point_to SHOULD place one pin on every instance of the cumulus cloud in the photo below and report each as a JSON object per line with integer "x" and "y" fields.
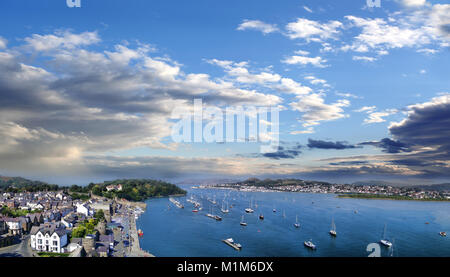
{"x": 315, "y": 110}
{"x": 311, "y": 30}
{"x": 413, "y": 3}
{"x": 84, "y": 101}
{"x": 257, "y": 25}
{"x": 304, "y": 60}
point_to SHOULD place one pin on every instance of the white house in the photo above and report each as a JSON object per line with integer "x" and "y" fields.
{"x": 14, "y": 226}
{"x": 48, "y": 238}
{"x": 84, "y": 209}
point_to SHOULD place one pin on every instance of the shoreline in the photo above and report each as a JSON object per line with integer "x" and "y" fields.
{"x": 370, "y": 197}
{"x": 135, "y": 246}
{"x": 337, "y": 194}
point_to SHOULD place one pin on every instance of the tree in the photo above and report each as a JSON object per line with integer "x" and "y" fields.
{"x": 99, "y": 215}
{"x": 79, "y": 232}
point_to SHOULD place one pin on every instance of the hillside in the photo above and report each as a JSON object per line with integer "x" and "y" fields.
{"x": 17, "y": 184}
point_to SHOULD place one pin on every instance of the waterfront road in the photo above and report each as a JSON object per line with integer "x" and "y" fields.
{"x": 22, "y": 249}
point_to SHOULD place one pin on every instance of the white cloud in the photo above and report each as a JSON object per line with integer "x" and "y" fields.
{"x": 364, "y": 58}
{"x": 312, "y": 30}
{"x": 3, "y": 43}
{"x": 301, "y": 52}
{"x": 369, "y": 109}
{"x": 316, "y": 81}
{"x": 257, "y": 25}
{"x": 316, "y": 61}
{"x": 315, "y": 109}
{"x": 66, "y": 40}
{"x": 414, "y": 3}
{"x": 307, "y": 9}
{"x": 374, "y": 116}
{"x": 423, "y": 71}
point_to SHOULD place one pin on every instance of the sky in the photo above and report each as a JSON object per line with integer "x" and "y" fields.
{"x": 91, "y": 93}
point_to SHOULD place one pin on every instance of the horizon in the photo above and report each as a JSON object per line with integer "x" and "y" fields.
{"x": 361, "y": 93}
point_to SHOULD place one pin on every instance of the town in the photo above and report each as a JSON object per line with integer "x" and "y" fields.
{"x": 53, "y": 224}
{"x": 344, "y": 190}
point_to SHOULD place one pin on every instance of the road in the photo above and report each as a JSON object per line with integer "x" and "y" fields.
{"x": 22, "y": 249}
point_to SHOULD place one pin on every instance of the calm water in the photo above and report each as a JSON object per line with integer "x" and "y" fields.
{"x": 169, "y": 231}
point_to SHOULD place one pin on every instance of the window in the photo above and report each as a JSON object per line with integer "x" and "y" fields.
{"x": 55, "y": 243}
{"x": 39, "y": 241}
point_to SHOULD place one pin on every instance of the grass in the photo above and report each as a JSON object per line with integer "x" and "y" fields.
{"x": 51, "y": 254}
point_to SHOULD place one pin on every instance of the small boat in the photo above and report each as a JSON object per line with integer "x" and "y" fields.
{"x": 296, "y": 224}
{"x": 443, "y": 234}
{"x": 333, "y": 232}
{"x": 261, "y": 216}
{"x": 385, "y": 241}
{"x": 243, "y": 223}
{"x": 274, "y": 210}
{"x": 310, "y": 245}
{"x": 249, "y": 209}
{"x": 230, "y": 242}
{"x": 140, "y": 233}
{"x": 225, "y": 211}
{"x": 195, "y": 211}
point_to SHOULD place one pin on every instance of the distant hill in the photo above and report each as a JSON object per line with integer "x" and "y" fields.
{"x": 21, "y": 184}
{"x": 377, "y": 183}
{"x": 437, "y": 187}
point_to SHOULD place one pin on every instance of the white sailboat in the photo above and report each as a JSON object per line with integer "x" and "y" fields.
{"x": 250, "y": 210}
{"x": 243, "y": 223}
{"x": 225, "y": 211}
{"x": 296, "y": 224}
{"x": 333, "y": 228}
{"x": 384, "y": 241}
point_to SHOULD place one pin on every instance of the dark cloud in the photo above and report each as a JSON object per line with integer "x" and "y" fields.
{"x": 284, "y": 153}
{"x": 321, "y": 144}
{"x": 389, "y": 146}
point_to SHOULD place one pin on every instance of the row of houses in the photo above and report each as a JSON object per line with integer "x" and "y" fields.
{"x": 50, "y": 229}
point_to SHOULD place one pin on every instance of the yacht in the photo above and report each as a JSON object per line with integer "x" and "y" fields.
{"x": 384, "y": 241}
{"x": 261, "y": 216}
{"x": 296, "y": 224}
{"x": 243, "y": 223}
{"x": 443, "y": 234}
{"x": 249, "y": 209}
{"x": 310, "y": 245}
{"x": 230, "y": 242}
{"x": 225, "y": 211}
{"x": 333, "y": 229}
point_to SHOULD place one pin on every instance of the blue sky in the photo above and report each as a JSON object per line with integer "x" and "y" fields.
{"x": 88, "y": 92}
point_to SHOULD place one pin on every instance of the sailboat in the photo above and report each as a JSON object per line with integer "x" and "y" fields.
{"x": 249, "y": 210}
{"x": 296, "y": 224}
{"x": 225, "y": 211}
{"x": 333, "y": 228}
{"x": 243, "y": 223}
{"x": 310, "y": 245}
{"x": 385, "y": 241}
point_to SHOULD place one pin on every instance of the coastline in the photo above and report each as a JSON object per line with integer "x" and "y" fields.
{"x": 337, "y": 194}
{"x": 374, "y": 197}
{"x": 136, "y": 249}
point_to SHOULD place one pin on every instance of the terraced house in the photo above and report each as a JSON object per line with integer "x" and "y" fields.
{"x": 48, "y": 238}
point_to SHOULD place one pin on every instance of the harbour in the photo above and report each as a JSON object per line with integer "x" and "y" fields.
{"x": 180, "y": 232}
